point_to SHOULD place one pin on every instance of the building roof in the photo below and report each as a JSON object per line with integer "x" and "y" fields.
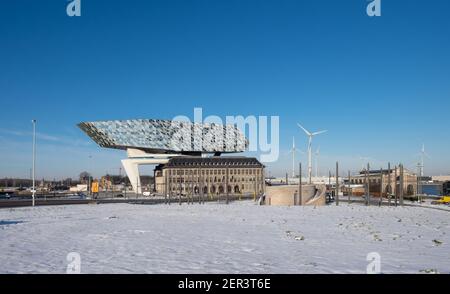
{"x": 377, "y": 172}
{"x": 166, "y": 136}
{"x": 214, "y": 161}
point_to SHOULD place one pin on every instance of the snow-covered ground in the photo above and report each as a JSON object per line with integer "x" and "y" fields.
{"x": 217, "y": 238}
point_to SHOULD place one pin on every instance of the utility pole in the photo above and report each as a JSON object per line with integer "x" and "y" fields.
{"x": 300, "y": 184}
{"x": 367, "y": 185}
{"x": 395, "y": 185}
{"x": 170, "y": 184}
{"x": 329, "y": 182}
{"x": 389, "y": 189}
{"x": 349, "y": 188}
{"x": 337, "y": 183}
{"x": 417, "y": 190}
{"x": 226, "y": 187}
{"x": 402, "y": 179}
{"x": 381, "y": 186}
{"x": 89, "y": 176}
{"x": 34, "y": 163}
{"x": 166, "y": 190}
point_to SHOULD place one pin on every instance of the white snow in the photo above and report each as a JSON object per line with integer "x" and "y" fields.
{"x": 216, "y": 238}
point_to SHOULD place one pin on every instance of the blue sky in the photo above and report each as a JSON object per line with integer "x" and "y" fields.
{"x": 379, "y": 85}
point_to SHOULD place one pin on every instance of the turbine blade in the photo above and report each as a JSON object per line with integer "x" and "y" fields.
{"x": 318, "y": 133}
{"x": 308, "y": 133}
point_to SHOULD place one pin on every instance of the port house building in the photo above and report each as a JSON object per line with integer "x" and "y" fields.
{"x": 209, "y": 176}
{"x": 188, "y": 156}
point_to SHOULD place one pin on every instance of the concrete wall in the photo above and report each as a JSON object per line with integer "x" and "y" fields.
{"x": 320, "y": 197}
{"x": 281, "y": 195}
{"x": 285, "y": 195}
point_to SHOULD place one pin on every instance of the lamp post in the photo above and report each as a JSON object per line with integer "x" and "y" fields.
{"x": 34, "y": 163}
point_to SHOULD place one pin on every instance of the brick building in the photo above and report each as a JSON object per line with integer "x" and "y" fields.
{"x": 194, "y": 175}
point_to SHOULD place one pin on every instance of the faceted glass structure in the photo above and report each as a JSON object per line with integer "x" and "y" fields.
{"x": 166, "y": 136}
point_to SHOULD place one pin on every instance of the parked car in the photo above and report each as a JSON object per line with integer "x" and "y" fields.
{"x": 5, "y": 196}
{"x": 77, "y": 196}
{"x": 82, "y": 195}
{"x": 442, "y": 200}
{"x": 329, "y": 197}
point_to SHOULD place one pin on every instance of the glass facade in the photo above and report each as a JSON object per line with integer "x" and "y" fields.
{"x": 165, "y": 136}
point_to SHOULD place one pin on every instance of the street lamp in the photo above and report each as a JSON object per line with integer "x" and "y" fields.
{"x": 34, "y": 162}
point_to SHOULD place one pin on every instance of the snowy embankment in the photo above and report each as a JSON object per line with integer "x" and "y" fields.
{"x": 217, "y": 238}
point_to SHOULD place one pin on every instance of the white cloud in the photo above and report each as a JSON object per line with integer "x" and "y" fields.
{"x": 47, "y": 137}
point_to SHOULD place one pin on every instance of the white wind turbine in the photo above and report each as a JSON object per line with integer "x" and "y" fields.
{"x": 317, "y": 154}
{"x": 310, "y": 136}
{"x": 293, "y": 151}
{"x": 422, "y": 154}
{"x": 364, "y": 162}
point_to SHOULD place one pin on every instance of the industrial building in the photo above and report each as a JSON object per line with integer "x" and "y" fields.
{"x": 385, "y": 180}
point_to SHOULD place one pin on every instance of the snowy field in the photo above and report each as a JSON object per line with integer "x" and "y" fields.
{"x": 215, "y": 238}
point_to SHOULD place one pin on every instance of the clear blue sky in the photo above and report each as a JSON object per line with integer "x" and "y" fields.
{"x": 381, "y": 86}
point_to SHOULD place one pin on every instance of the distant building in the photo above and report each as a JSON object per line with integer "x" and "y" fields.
{"x": 441, "y": 178}
{"x": 195, "y": 175}
{"x": 374, "y": 178}
{"x": 446, "y": 188}
{"x": 106, "y": 183}
{"x": 431, "y": 188}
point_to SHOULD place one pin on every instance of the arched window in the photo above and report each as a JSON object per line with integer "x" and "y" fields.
{"x": 410, "y": 190}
